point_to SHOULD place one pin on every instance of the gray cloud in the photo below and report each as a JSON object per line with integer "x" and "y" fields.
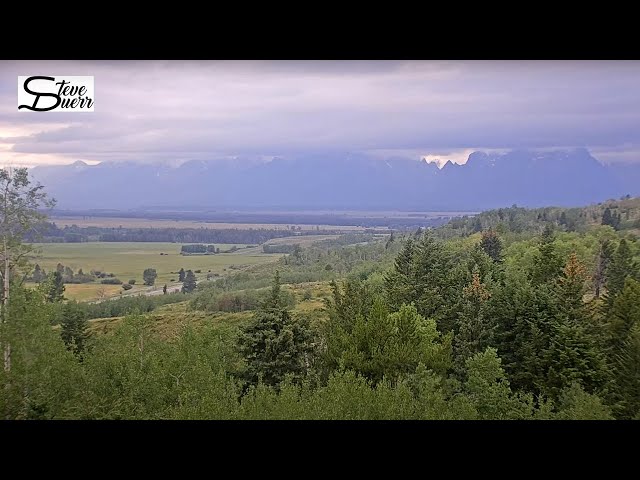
{"x": 202, "y": 109}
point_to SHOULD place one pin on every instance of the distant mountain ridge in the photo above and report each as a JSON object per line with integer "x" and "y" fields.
{"x": 346, "y": 181}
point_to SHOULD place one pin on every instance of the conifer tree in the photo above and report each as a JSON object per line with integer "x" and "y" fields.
{"x": 54, "y": 287}
{"x": 274, "y": 345}
{"x": 181, "y": 275}
{"x": 74, "y": 327}
{"x": 189, "y": 284}
{"x": 492, "y": 245}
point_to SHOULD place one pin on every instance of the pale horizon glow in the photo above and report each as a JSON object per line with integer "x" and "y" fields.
{"x": 174, "y": 111}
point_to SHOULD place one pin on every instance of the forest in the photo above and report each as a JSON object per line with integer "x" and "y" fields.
{"x": 507, "y": 315}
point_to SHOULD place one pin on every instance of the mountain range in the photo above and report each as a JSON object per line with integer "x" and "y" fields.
{"x": 345, "y": 181}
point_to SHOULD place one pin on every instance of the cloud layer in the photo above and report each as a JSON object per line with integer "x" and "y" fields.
{"x": 182, "y": 110}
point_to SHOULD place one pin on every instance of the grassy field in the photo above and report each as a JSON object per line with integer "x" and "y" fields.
{"x": 115, "y": 222}
{"x": 127, "y": 260}
{"x": 169, "y": 319}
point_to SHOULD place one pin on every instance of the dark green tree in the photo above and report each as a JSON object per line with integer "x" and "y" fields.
{"x": 607, "y": 218}
{"x": 149, "y": 276}
{"x": 54, "y": 287}
{"x": 38, "y": 274}
{"x": 181, "y": 275}
{"x": 475, "y": 327}
{"x": 624, "y": 314}
{"x": 621, "y": 267}
{"x": 274, "y": 345}
{"x": 548, "y": 264}
{"x": 575, "y": 354}
{"x": 628, "y": 376}
{"x": 189, "y": 284}
{"x": 602, "y": 262}
{"x": 74, "y": 327}
{"x": 492, "y": 245}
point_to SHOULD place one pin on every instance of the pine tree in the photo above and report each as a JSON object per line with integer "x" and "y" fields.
{"x": 38, "y": 275}
{"x": 74, "y": 327}
{"x": 492, "y": 245}
{"x": 189, "y": 284}
{"x": 607, "y": 218}
{"x": 563, "y": 219}
{"x": 475, "y": 328}
{"x": 68, "y": 274}
{"x": 548, "y": 265}
{"x": 603, "y": 260}
{"x": 54, "y": 287}
{"x": 273, "y": 344}
{"x": 575, "y": 354}
{"x": 181, "y": 275}
{"x": 621, "y": 267}
{"x": 624, "y": 314}
{"x": 628, "y": 376}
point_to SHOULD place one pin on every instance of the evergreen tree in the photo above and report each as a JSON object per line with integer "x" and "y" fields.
{"x": 563, "y": 219}
{"x": 390, "y": 241}
{"x": 54, "y": 287}
{"x": 548, "y": 265}
{"x": 608, "y": 218}
{"x": 621, "y": 267}
{"x": 189, "y": 284}
{"x": 68, "y": 274}
{"x": 38, "y": 274}
{"x": 181, "y": 275}
{"x": 628, "y": 375}
{"x": 475, "y": 328}
{"x": 492, "y": 245}
{"x": 149, "y": 276}
{"x": 60, "y": 269}
{"x": 575, "y": 354}
{"x": 74, "y": 327}
{"x": 164, "y": 289}
{"x": 624, "y": 314}
{"x": 603, "y": 260}
{"x": 274, "y": 345}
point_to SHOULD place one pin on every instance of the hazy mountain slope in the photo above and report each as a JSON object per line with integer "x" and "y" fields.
{"x": 347, "y": 181}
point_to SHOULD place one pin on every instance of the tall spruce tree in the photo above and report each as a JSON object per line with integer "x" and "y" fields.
{"x": 602, "y": 262}
{"x": 181, "y": 275}
{"x": 274, "y": 345}
{"x": 54, "y": 287}
{"x": 575, "y": 353}
{"x": 189, "y": 284}
{"x": 74, "y": 327}
{"x": 548, "y": 263}
{"x": 492, "y": 245}
{"x": 475, "y": 327}
{"x": 621, "y": 267}
{"x": 628, "y": 376}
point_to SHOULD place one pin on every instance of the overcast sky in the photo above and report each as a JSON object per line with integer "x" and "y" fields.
{"x": 182, "y": 110}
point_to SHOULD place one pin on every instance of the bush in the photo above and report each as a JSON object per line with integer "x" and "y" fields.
{"x": 111, "y": 281}
{"x": 307, "y": 295}
{"x": 127, "y": 286}
{"x": 197, "y": 271}
{"x": 131, "y": 282}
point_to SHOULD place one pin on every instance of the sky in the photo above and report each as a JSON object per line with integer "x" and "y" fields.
{"x": 174, "y": 111}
